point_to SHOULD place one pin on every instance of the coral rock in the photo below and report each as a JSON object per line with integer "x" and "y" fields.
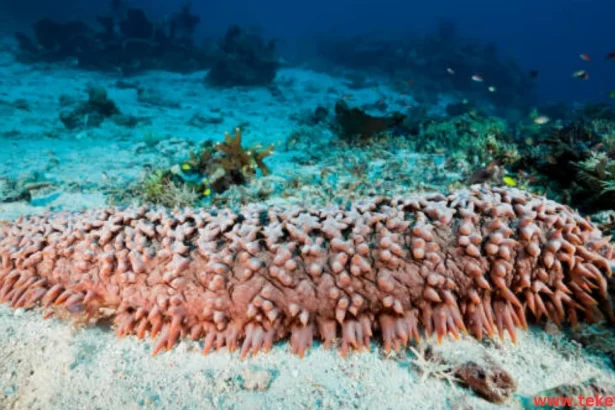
{"x": 488, "y": 380}
{"x": 479, "y": 260}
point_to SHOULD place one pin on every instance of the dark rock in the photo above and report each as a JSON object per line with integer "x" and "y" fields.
{"x": 91, "y": 113}
{"x": 357, "y": 126}
{"x": 487, "y": 379}
{"x": 244, "y": 59}
{"x": 320, "y": 114}
{"x": 99, "y": 102}
{"x": 136, "y": 25}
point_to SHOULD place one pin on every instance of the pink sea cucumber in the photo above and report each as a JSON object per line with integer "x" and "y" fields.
{"x": 480, "y": 260}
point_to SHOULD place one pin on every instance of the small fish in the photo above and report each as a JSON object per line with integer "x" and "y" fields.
{"x": 582, "y": 74}
{"x": 611, "y": 94}
{"x": 477, "y": 78}
{"x": 410, "y": 83}
{"x": 541, "y": 120}
{"x": 527, "y": 177}
{"x": 611, "y": 56}
{"x": 450, "y": 71}
{"x": 186, "y": 167}
{"x": 533, "y": 73}
{"x": 207, "y": 192}
{"x": 347, "y": 96}
{"x": 491, "y": 89}
{"x": 584, "y": 57}
{"x": 510, "y": 181}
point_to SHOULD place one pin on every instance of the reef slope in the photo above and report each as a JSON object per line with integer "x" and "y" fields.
{"x": 480, "y": 260}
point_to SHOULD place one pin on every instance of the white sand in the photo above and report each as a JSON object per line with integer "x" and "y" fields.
{"x": 48, "y": 364}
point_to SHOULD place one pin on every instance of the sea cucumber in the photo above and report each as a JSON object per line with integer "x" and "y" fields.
{"x": 478, "y": 260}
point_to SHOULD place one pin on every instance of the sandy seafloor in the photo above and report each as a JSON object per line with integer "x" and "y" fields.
{"x": 48, "y": 364}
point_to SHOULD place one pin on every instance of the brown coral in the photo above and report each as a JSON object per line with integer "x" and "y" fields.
{"x": 227, "y": 163}
{"x": 479, "y": 259}
{"x": 356, "y": 126}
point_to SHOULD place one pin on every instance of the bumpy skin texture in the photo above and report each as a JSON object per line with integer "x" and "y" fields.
{"x": 480, "y": 260}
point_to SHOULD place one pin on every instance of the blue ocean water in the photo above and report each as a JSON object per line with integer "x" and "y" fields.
{"x": 542, "y": 35}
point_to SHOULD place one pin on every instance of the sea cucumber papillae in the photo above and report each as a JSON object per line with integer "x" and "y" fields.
{"x": 481, "y": 260}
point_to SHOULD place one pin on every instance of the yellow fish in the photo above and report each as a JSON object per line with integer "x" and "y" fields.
{"x": 510, "y": 181}
{"x": 207, "y": 192}
{"x": 186, "y": 167}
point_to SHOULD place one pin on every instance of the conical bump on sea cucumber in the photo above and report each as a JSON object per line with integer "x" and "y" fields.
{"x": 481, "y": 260}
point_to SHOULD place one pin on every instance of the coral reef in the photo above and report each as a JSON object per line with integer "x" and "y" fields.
{"x": 214, "y": 168}
{"x": 128, "y": 42}
{"x": 425, "y": 60}
{"x": 243, "y": 59}
{"x": 483, "y": 260}
{"x": 574, "y": 162}
{"x": 471, "y": 139}
{"x": 223, "y": 164}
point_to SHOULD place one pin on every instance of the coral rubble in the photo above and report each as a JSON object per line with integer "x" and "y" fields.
{"x": 482, "y": 259}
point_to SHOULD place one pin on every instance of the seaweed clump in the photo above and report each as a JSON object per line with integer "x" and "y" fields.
{"x": 213, "y": 169}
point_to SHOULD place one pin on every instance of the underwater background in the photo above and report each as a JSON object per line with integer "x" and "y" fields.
{"x": 279, "y": 103}
{"x": 542, "y": 35}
